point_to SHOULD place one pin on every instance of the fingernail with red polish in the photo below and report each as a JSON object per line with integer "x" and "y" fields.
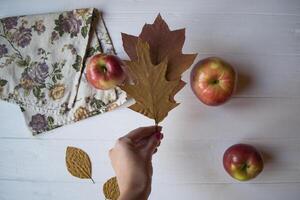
{"x": 158, "y": 135}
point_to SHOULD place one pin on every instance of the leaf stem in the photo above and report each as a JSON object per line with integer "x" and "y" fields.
{"x": 92, "y": 180}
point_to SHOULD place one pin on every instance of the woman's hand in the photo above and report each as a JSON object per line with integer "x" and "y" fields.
{"x": 131, "y": 159}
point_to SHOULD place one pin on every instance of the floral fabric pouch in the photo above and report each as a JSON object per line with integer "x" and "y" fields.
{"x": 42, "y": 61}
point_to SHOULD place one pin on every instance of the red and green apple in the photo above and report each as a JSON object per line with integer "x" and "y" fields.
{"x": 213, "y": 81}
{"x": 243, "y": 162}
{"x": 105, "y": 71}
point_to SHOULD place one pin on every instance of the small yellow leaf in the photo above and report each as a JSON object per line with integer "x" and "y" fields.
{"x": 78, "y": 163}
{"x": 150, "y": 90}
{"x": 111, "y": 189}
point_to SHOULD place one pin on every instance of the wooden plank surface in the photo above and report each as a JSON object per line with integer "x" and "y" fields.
{"x": 261, "y": 38}
{"x": 79, "y": 191}
{"x": 245, "y": 118}
{"x": 178, "y": 161}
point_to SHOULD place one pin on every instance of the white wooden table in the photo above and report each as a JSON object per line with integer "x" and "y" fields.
{"x": 261, "y": 38}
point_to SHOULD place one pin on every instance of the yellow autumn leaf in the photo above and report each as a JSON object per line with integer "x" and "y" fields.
{"x": 78, "y": 163}
{"x": 111, "y": 189}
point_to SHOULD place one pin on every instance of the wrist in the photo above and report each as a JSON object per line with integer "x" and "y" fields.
{"x": 129, "y": 196}
{"x": 137, "y": 193}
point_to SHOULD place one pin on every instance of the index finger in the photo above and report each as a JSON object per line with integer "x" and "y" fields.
{"x": 143, "y": 132}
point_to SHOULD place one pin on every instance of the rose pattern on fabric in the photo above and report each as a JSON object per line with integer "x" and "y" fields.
{"x": 37, "y": 79}
{"x": 57, "y": 91}
{"x": 38, "y": 122}
{"x": 10, "y": 22}
{"x": 22, "y": 36}
{"x": 81, "y": 12}
{"x": 26, "y": 82}
{"x": 3, "y": 50}
{"x": 68, "y": 24}
{"x": 39, "y": 73}
{"x": 71, "y": 25}
{"x": 81, "y": 113}
{"x": 39, "y": 27}
{"x": 42, "y": 73}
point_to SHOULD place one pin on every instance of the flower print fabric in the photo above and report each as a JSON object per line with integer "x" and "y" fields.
{"x": 3, "y": 50}
{"x": 42, "y": 67}
{"x": 38, "y": 122}
{"x": 68, "y": 23}
{"x": 10, "y": 22}
{"x": 22, "y": 36}
{"x": 39, "y": 27}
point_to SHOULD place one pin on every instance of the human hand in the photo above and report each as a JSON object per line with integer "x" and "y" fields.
{"x": 131, "y": 159}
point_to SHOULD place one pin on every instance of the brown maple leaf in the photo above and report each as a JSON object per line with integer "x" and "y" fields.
{"x": 150, "y": 90}
{"x": 163, "y": 43}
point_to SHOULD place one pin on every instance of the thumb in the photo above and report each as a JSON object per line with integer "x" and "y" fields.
{"x": 152, "y": 143}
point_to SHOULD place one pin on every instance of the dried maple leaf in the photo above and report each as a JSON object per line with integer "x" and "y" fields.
{"x": 150, "y": 90}
{"x": 163, "y": 43}
{"x": 78, "y": 163}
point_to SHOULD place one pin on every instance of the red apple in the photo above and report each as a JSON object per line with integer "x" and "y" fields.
{"x": 105, "y": 71}
{"x": 213, "y": 81}
{"x": 243, "y": 162}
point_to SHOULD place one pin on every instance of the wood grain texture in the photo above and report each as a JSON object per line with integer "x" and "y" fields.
{"x": 246, "y": 118}
{"x": 11, "y": 190}
{"x": 178, "y": 161}
{"x": 260, "y": 38}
